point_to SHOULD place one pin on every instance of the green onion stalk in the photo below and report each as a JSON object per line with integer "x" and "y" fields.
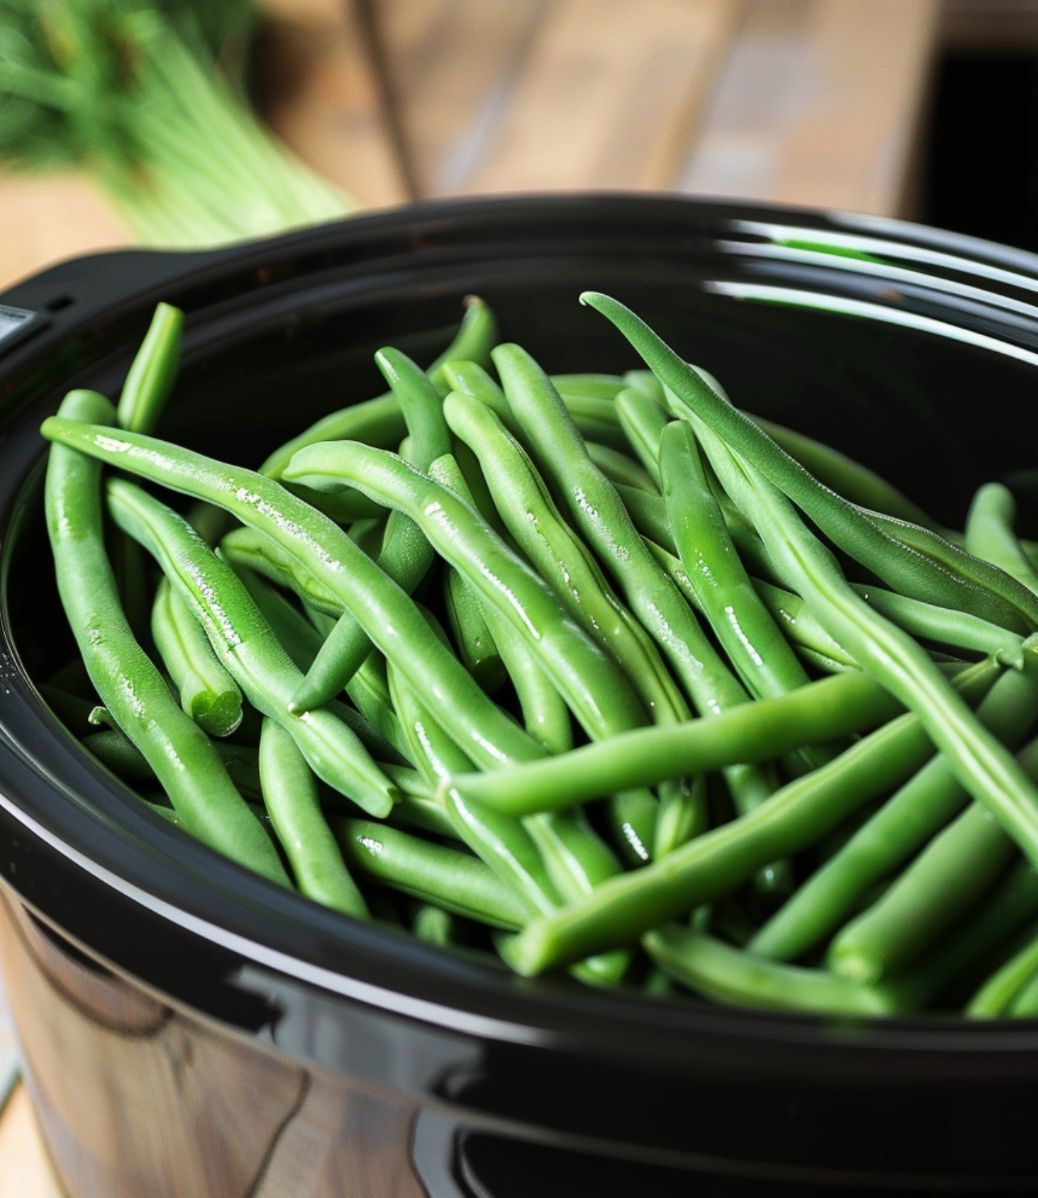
{"x": 148, "y": 99}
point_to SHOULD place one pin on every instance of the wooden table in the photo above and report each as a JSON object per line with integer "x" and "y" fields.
{"x": 816, "y": 102}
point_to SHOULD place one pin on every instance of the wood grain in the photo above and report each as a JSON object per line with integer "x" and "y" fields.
{"x": 48, "y": 218}
{"x": 820, "y": 103}
{"x": 322, "y": 98}
{"x": 608, "y": 94}
{"x": 25, "y": 1170}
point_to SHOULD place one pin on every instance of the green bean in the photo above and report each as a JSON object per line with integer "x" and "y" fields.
{"x": 716, "y": 863}
{"x": 904, "y": 823}
{"x": 947, "y": 558}
{"x": 980, "y": 762}
{"x": 788, "y": 611}
{"x": 245, "y": 645}
{"x": 425, "y": 870}
{"x": 469, "y": 378}
{"x": 598, "y": 512}
{"x": 643, "y": 419}
{"x": 387, "y": 614}
{"x": 592, "y": 414}
{"x": 208, "y": 694}
{"x": 290, "y": 796}
{"x": 619, "y": 467}
{"x": 758, "y": 650}
{"x": 957, "y": 629}
{"x": 646, "y": 382}
{"x": 264, "y": 556}
{"x": 828, "y": 709}
{"x": 435, "y": 926}
{"x": 124, "y": 677}
{"x": 844, "y": 475}
{"x": 380, "y": 421}
{"x": 1025, "y": 1003}
{"x": 557, "y": 553}
{"x": 920, "y": 904}
{"x": 715, "y": 969}
{"x": 153, "y": 372}
{"x": 989, "y": 534}
{"x": 421, "y": 814}
{"x": 477, "y": 645}
{"x": 590, "y": 681}
{"x": 997, "y": 993}
{"x": 875, "y": 542}
{"x": 294, "y": 631}
{"x": 602, "y": 387}
{"x": 115, "y": 750}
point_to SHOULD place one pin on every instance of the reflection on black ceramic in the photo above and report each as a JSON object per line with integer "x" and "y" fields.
{"x": 189, "y": 1030}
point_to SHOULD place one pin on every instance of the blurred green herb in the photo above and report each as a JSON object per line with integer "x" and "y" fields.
{"x": 146, "y": 97}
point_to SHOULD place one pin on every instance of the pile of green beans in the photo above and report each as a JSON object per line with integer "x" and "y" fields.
{"x": 589, "y": 672}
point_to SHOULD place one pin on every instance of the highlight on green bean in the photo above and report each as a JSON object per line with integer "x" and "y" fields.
{"x": 590, "y": 671}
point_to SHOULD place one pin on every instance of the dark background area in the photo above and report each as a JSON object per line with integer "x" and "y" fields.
{"x": 981, "y": 162}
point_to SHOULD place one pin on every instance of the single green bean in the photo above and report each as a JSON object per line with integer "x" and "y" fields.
{"x": 989, "y": 533}
{"x": 1025, "y": 1002}
{"x": 435, "y": 926}
{"x": 208, "y": 694}
{"x": 957, "y": 629}
{"x": 815, "y": 713}
{"x": 124, "y": 677}
{"x": 425, "y": 870}
{"x": 643, "y": 419}
{"x": 291, "y": 798}
{"x": 715, "y": 969}
{"x": 153, "y": 371}
{"x": 618, "y": 466}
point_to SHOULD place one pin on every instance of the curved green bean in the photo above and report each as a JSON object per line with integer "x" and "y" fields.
{"x": 208, "y": 694}
{"x": 989, "y": 534}
{"x": 291, "y": 799}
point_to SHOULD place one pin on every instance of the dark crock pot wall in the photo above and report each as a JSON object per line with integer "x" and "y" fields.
{"x": 598, "y": 1046}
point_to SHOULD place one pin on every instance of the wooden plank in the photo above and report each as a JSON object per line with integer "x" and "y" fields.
{"x": 25, "y": 1170}
{"x": 323, "y": 98}
{"x": 820, "y": 103}
{"x": 451, "y": 64}
{"x": 47, "y": 218}
{"x": 603, "y": 93}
